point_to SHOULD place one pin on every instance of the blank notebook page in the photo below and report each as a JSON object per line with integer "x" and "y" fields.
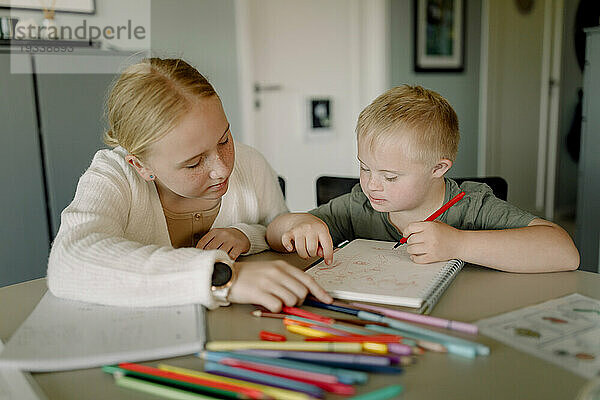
{"x": 63, "y": 334}
{"x": 373, "y": 271}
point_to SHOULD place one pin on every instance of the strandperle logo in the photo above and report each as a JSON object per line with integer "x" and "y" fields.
{"x": 84, "y": 31}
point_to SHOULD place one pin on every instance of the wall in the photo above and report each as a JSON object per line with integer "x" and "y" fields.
{"x": 460, "y": 89}
{"x": 571, "y": 82}
{"x": 201, "y": 31}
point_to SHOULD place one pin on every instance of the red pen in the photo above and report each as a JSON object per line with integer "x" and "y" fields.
{"x": 436, "y": 214}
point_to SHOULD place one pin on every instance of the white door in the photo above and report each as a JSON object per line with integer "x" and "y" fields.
{"x": 292, "y": 52}
{"x": 523, "y": 66}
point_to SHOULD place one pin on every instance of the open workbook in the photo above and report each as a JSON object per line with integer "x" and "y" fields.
{"x": 63, "y": 334}
{"x": 373, "y": 271}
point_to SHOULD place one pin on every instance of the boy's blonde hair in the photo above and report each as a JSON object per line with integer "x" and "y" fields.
{"x": 421, "y": 115}
{"x": 148, "y": 100}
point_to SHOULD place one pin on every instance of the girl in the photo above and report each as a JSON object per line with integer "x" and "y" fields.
{"x": 160, "y": 219}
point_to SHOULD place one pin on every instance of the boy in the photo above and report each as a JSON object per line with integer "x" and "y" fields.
{"x": 407, "y": 141}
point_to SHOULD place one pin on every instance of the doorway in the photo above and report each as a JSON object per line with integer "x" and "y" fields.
{"x": 307, "y": 68}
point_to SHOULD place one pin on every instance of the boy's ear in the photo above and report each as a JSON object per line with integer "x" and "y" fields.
{"x": 441, "y": 167}
{"x": 146, "y": 173}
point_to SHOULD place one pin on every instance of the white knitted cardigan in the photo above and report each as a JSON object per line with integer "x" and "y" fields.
{"x": 113, "y": 245}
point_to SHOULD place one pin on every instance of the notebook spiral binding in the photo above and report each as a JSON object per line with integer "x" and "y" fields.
{"x": 442, "y": 280}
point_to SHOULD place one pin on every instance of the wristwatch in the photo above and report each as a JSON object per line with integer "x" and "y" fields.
{"x": 223, "y": 277}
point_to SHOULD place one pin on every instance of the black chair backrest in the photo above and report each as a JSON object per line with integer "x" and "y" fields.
{"x": 281, "y": 185}
{"x": 329, "y": 187}
{"x": 498, "y": 185}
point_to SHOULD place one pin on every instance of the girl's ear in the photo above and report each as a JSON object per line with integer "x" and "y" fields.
{"x": 441, "y": 167}
{"x": 146, "y": 173}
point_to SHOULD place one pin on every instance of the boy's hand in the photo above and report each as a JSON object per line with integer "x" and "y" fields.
{"x": 309, "y": 237}
{"x": 431, "y": 241}
{"x": 273, "y": 284}
{"x": 230, "y": 240}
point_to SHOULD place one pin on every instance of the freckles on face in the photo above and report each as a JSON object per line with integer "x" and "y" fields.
{"x": 196, "y": 158}
{"x": 390, "y": 179}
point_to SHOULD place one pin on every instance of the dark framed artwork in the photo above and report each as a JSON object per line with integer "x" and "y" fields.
{"x": 63, "y": 6}
{"x": 439, "y": 35}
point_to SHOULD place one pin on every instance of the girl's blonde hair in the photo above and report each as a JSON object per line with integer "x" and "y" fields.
{"x": 148, "y": 100}
{"x": 424, "y": 117}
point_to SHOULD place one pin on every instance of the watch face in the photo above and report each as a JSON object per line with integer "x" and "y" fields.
{"x": 221, "y": 274}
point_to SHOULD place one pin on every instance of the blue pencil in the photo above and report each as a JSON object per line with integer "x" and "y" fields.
{"x": 382, "y": 369}
{"x": 332, "y": 307}
{"x": 344, "y": 376}
{"x": 264, "y": 379}
{"x": 313, "y": 356}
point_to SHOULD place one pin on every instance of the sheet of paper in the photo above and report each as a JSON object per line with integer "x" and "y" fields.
{"x": 563, "y": 331}
{"x": 63, "y": 334}
{"x": 17, "y": 385}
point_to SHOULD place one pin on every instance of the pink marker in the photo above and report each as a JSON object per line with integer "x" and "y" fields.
{"x": 421, "y": 319}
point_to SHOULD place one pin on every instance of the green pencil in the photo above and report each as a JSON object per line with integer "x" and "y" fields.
{"x": 388, "y": 392}
{"x": 156, "y": 389}
{"x": 176, "y": 384}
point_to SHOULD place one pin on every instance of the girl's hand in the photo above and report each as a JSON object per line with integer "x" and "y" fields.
{"x": 230, "y": 240}
{"x": 309, "y": 237}
{"x": 273, "y": 284}
{"x": 432, "y": 241}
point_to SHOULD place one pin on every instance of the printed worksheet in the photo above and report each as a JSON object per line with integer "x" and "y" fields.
{"x": 563, "y": 331}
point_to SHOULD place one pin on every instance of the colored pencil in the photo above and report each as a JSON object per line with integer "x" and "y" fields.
{"x": 359, "y": 339}
{"x": 350, "y": 329}
{"x": 301, "y": 346}
{"x": 271, "y": 336}
{"x": 157, "y": 389}
{"x": 332, "y": 307}
{"x": 342, "y": 375}
{"x": 306, "y": 331}
{"x": 262, "y": 366}
{"x": 460, "y": 349}
{"x": 421, "y": 319}
{"x": 317, "y": 357}
{"x": 264, "y": 379}
{"x": 272, "y": 391}
{"x": 388, "y": 392}
{"x": 436, "y": 214}
{"x": 261, "y": 313}
{"x": 184, "y": 382}
{"x": 359, "y": 322}
{"x": 307, "y": 314}
{"x": 296, "y": 375}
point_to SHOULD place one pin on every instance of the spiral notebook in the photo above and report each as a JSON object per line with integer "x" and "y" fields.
{"x": 373, "y": 271}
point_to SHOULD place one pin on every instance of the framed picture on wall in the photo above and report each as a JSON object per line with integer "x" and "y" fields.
{"x": 67, "y": 6}
{"x": 439, "y": 35}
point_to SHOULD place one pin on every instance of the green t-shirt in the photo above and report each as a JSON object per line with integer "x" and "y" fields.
{"x": 351, "y": 215}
